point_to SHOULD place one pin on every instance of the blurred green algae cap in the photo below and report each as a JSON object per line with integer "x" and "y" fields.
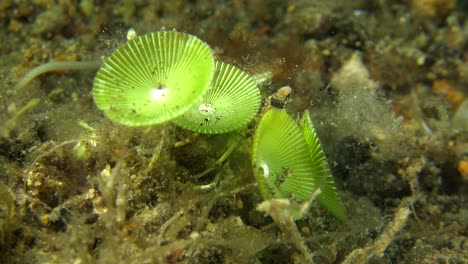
{"x": 153, "y": 78}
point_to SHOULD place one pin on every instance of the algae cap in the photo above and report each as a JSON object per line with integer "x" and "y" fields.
{"x": 232, "y": 101}
{"x": 289, "y": 161}
{"x": 281, "y": 158}
{"x": 153, "y": 78}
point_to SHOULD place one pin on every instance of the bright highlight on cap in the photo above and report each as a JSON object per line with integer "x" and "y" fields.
{"x": 159, "y": 94}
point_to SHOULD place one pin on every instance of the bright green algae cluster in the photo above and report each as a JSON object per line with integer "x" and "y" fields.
{"x": 172, "y": 76}
{"x": 167, "y": 75}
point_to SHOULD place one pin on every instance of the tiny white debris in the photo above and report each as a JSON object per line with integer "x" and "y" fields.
{"x": 206, "y": 109}
{"x": 131, "y": 34}
{"x": 195, "y": 235}
{"x": 266, "y": 170}
{"x": 263, "y": 78}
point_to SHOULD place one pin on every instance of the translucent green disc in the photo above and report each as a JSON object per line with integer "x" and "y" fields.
{"x": 281, "y": 158}
{"x": 153, "y": 78}
{"x": 289, "y": 162}
{"x": 229, "y": 104}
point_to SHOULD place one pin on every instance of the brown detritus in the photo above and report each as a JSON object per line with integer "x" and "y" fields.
{"x": 308, "y": 19}
{"x": 433, "y": 8}
{"x": 463, "y": 169}
{"x": 246, "y": 45}
{"x": 363, "y": 255}
{"x": 51, "y": 21}
{"x": 389, "y": 62}
{"x": 445, "y": 89}
{"x": 188, "y": 156}
{"x": 15, "y": 26}
{"x": 411, "y": 173}
{"x": 289, "y": 53}
{"x": 7, "y": 217}
{"x": 279, "y": 210}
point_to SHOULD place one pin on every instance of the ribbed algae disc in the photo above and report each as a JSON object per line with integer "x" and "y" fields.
{"x": 153, "y": 78}
{"x": 281, "y": 158}
{"x": 229, "y": 104}
{"x": 328, "y": 198}
{"x": 289, "y": 161}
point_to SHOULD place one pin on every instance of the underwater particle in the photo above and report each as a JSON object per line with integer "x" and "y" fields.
{"x": 434, "y": 8}
{"x": 280, "y": 98}
{"x": 328, "y": 198}
{"x": 460, "y": 118}
{"x": 51, "y": 21}
{"x": 289, "y": 162}
{"x": 153, "y": 78}
{"x": 230, "y": 103}
{"x": 463, "y": 168}
{"x": 131, "y": 34}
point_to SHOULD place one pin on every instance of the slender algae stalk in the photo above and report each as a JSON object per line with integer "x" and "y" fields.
{"x": 56, "y": 66}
